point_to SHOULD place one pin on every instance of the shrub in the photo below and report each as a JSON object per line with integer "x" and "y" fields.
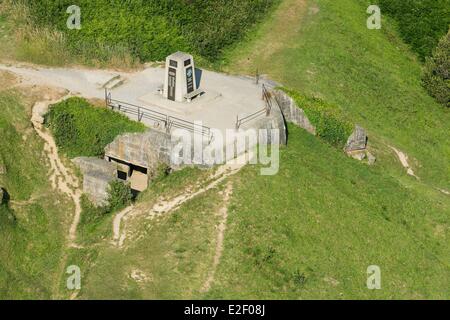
{"x": 421, "y": 22}
{"x": 330, "y": 122}
{"x": 152, "y": 29}
{"x": 119, "y": 195}
{"x": 436, "y": 74}
{"x": 81, "y": 129}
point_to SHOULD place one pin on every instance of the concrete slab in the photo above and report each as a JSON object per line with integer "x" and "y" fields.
{"x": 200, "y": 103}
{"x": 225, "y": 96}
{"x": 139, "y": 181}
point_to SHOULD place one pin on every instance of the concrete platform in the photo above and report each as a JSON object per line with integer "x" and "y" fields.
{"x": 226, "y": 97}
{"x": 200, "y": 103}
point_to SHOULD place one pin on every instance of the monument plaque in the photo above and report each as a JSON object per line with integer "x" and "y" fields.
{"x": 180, "y": 82}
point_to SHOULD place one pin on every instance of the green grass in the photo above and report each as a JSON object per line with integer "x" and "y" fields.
{"x": 330, "y": 121}
{"x": 371, "y": 74}
{"x": 312, "y": 230}
{"x": 173, "y": 251}
{"x": 32, "y": 245}
{"x": 80, "y": 129}
{"x": 325, "y": 218}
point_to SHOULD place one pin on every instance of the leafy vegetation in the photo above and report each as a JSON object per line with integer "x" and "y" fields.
{"x": 80, "y": 129}
{"x": 150, "y": 30}
{"x": 436, "y": 75}
{"x": 421, "y": 22}
{"x": 32, "y": 222}
{"x": 329, "y": 120}
{"x": 119, "y": 195}
{"x": 95, "y": 220}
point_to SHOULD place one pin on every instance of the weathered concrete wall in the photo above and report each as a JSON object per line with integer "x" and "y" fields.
{"x": 357, "y": 140}
{"x": 97, "y": 175}
{"x": 150, "y": 149}
{"x": 292, "y": 112}
{"x": 356, "y": 145}
{"x": 146, "y": 150}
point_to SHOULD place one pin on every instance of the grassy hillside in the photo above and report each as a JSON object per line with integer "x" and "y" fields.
{"x": 421, "y": 22}
{"x": 309, "y": 232}
{"x": 312, "y": 230}
{"x": 32, "y": 244}
{"x": 370, "y": 73}
{"x": 149, "y": 30}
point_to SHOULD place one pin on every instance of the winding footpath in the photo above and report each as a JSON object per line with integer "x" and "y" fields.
{"x": 220, "y": 238}
{"x": 168, "y": 206}
{"x": 61, "y": 177}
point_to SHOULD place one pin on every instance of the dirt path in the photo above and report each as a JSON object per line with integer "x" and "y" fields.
{"x": 167, "y": 206}
{"x": 404, "y": 161}
{"x": 403, "y": 157}
{"x": 277, "y": 34}
{"x": 61, "y": 177}
{"x": 220, "y": 237}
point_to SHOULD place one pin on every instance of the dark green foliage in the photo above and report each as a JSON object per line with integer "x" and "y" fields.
{"x": 81, "y": 129}
{"x": 436, "y": 74}
{"x": 152, "y": 29}
{"x": 94, "y": 223}
{"x": 330, "y": 122}
{"x": 421, "y": 22}
{"x": 119, "y": 195}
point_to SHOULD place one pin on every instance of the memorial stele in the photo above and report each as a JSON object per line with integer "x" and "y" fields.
{"x": 180, "y": 82}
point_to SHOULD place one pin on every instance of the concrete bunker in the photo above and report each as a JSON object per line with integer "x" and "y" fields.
{"x": 136, "y": 175}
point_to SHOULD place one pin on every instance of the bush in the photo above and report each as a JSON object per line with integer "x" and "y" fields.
{"x": 81, "y": 129}
{"x": 421, "y": 22}
{"x": 152, "y": 29}
{"x": 330, "y": 122}
{"x": 92, "y": 216}
{"x": 436, "y": 74}
{"x": 119, "y": 195}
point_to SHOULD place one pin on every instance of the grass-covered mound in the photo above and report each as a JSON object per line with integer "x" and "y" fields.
{"x": 80, "y": 129}
{"x": 150, "y": 30}
{"x": 329, "y": 120}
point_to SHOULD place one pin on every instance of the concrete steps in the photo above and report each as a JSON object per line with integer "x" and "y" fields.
{"x": 114, "y": 83}
{"x": 109, "y": 81}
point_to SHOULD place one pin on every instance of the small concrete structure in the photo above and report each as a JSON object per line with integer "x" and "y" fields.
{"x": 97, "y": 175}
{"x": 180, "y": 83}
{"x": 357, "y": 141}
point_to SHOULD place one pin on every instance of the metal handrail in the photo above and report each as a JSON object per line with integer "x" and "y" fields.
{"x": 266, "y": 110}
{"x": 169, "y": 122}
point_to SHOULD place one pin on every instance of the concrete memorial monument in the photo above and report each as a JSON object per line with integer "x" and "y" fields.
{"x": 180, "y": 79}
